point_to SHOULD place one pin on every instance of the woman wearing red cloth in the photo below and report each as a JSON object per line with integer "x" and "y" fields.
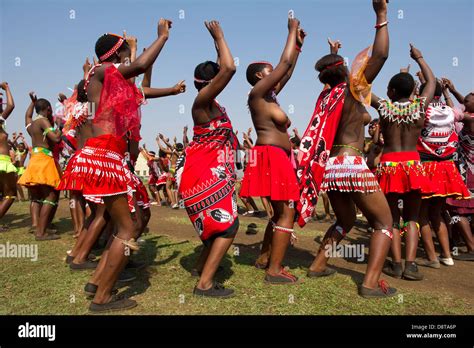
{"x": 400, "y": 172}
{"x": 331, "y": 158}
{"x": 270, "y": 172}
{"x": 101, "y": 167}
{"x": 206, "y": 175}
{"x": 437, "y": 146}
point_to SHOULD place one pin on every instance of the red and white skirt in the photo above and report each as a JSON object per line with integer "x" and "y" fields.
{"x": 99, "y": 170}
{"x": 348, "y": 174}
{"x": 269, "y": 173}
{"x": 445, "y": 180}
{"x": 402, "y": 172}
{"x": 141, "y": 194}
{"x": 152, "y": 180}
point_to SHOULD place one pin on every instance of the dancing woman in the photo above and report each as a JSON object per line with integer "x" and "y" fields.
{"x": 270, "y": 172}
{"x": 7, "y": 169}
{"x": 331, "y": 158}
{"x": 206, "y": 174}
{"x": 400, "y": 172}
{"x": 101, "y": 169}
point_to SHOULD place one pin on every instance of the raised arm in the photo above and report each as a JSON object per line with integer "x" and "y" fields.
{"x": 178, "y": 88}
{"x": 226, "y": 69}
{"x": 447, "y": 97}
{"x": 301, "y": 34}
{"x": 29, "y": 111}
{"x": 430, "y": 86}
{"x": 162, "y": 148}
{"x": 381, "y": 43}
{"x": 10, "y": 102}
{"x": 287, "y": 58}
{"x": 185, "y": 136}
{"x": 449, "y": 84}
{"x": 147, "y": 58}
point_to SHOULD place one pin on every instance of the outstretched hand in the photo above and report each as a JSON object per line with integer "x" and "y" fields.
{"x": 293, "y": 23}
{"x": 334, "y": 46}
{"x": 33, "y": 97}
{"x": 405, "y": 70}
{"x": 61, "y": 97}
{"x": 214, "y": 29}
{"x": 300, "y": 36}
{"x": 415, "y": 53}
{"x": 180, "y": 87}
{"x": 164, "y": 26}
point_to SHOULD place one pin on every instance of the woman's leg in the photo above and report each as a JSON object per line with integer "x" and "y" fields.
{"x": 396, "y": 247}
{"x": 439, "y": 226}
{"x": 411, "y": 212}
{"x": 8, "y": 181}
{"x": 425, "y": 230}
{"x": 83, "y": 249}
{"x": 118, "y": 253}
{"x": 375, "y": 208}
{"x": 283, "y": 218}
{"x": 345, "y": 212}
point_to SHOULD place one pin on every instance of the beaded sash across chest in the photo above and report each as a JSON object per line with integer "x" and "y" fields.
{"x": 405, "y": 112}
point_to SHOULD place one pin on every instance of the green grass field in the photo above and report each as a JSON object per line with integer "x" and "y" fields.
{"x": 47, "y": 286}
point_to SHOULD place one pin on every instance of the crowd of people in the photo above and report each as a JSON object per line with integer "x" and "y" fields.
{"x": 413, "y": 176}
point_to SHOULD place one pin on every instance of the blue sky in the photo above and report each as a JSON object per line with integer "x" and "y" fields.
{"x": 52, "y": 47}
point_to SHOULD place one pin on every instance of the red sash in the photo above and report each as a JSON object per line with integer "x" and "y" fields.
{"x": 315, "y": 147}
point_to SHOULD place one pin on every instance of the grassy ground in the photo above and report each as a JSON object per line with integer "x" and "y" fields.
{"x": 47, "y": 286}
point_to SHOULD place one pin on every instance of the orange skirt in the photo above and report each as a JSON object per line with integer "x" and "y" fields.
{"x": 42, "y": 170}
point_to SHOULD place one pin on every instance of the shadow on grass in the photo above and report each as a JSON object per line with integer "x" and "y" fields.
{"x": 188, "y": 262}
{"x": 16, "y": 220}
{"x": 148, "y": 253}
{"x": 295, "y": 257}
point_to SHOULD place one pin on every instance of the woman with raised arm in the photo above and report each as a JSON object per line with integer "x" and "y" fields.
{"x": 270, "y": 172}
{"x": 101, "y": 171}
{"x": 437, "y": 145}
{"x": 7, "y": 169}
{"x": 331, "y": 158}
{"x": 462, "y": 210}
{"x": 400, "y": 172}
{"x": 206, "y": 174}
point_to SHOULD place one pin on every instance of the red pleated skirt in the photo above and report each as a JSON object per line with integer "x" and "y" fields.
{"x": 98, "y": 169}
{"x": 445, "y": 180}
{"x": 269, "y": 173}
{"x": 402, "y": 172}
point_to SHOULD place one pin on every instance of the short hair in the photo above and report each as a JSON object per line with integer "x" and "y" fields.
{"x": 252, "y": 71}
{"x": 403, "y": 84}
{"x": 438, "y": 89}
{"x": 205, "y": 72}
{"x": 105, "y": 43}
{"x": 42, "y": 105}
{"x": 179, "y": 146}
{"x": 329, "y": 73}
{"x": 161, "y": 153}
{"x": 152, "y": 153}
{"x": 81, "y": 92}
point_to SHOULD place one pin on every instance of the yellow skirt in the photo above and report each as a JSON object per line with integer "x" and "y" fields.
{"x": 6, "y": 165}
{"x": 41, "y": 170}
